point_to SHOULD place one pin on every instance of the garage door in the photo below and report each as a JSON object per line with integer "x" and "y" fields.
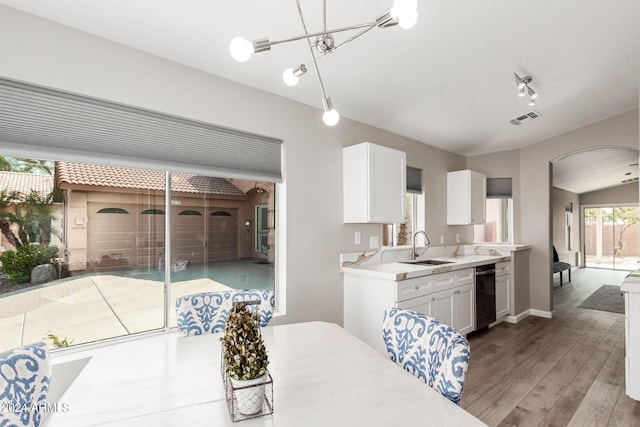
{"x": 223, "y": 235}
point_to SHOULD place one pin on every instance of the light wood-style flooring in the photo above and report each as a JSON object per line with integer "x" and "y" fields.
{"x": 568, "y": 370}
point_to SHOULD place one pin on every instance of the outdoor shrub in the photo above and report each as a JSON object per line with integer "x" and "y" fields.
{"x": 19, "y": 263}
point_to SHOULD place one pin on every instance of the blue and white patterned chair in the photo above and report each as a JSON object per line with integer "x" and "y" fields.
{"x": 207, "y": 312}
{"x": 25, "y": 376}
{"x": 428, "y": 349}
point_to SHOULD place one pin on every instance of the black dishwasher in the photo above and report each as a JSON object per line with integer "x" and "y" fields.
{"x": 485, "y": 295}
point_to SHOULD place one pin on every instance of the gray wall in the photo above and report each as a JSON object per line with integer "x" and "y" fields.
{"x": 620, "y": 130}
{"x": 560, "y": 199}
{"x": 627, "y": 193}
{"x": 504, "y": 164}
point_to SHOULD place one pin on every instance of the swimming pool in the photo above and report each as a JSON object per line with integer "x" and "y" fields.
{"x": 235, "y": 274}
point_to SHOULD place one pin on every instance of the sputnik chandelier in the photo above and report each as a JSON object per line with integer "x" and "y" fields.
{"x": 524, "y": 88}
{"x": 403, "y": 13}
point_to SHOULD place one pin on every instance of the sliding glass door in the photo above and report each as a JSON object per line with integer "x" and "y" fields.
{"x": 611, "y": 237}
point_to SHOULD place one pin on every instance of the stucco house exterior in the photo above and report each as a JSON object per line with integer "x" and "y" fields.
{"x": 114, "y": 217}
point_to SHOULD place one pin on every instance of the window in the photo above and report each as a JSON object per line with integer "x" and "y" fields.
{"x": 402, "y": 234}
{"x": 498, "y": 227}
{"x": 114, "y": 268}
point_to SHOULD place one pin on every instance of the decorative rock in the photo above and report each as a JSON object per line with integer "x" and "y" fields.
{"x": 43, "y": 273}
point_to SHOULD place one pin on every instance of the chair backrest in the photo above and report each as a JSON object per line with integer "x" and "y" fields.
{"x": 556, "y": 258}
{"x": 428, "y": 349}
{"x": 25, "y": 376}
{"x": 207, "y": 312}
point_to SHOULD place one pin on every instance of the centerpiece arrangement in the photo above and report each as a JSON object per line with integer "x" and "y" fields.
{"x": 249, "y": 386}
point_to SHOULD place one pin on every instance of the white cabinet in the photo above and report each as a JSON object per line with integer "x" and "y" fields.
{"x": 466, "y": 197}
{"x": 631, "y": 289}
{"x": 503, "y": 289}
{"x": 374, "y": 184}
{"x": 448, "y": 297}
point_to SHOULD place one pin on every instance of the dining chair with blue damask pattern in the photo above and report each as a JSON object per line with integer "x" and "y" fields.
{"x": 207, "y": 312}
{"x": 25, "y": 377}
{"x": 428, "y": 349}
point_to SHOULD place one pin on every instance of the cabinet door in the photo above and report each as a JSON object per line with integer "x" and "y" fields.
{"x": 421, "y": 305}
{"x": 387, "y": 180}
{"x": 442, "y": 306}
{"x": 503, "y": 296}
{"x": 463, "y": 309}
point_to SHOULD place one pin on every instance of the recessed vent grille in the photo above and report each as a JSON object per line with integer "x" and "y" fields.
{"x": 630, "y": 180}
{"x": 529, "y": 116}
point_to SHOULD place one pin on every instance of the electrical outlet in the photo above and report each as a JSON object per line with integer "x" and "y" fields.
{"x": 457, "y": 238}
{"x": 442, "y": 240}
{"x": 373, "y": 242}
{"x": 358, "y": 238}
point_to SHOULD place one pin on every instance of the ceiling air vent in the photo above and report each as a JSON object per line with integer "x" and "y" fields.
{"x": 529, "y": 116}
{"x": 630, "y": 180}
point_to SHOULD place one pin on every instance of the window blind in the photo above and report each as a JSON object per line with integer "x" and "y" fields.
{"x": 499, "y": 188}
{"x": 414, "y": 180}
{"x": 39, "y": 121}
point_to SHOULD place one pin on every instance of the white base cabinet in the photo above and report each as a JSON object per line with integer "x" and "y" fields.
{"x": 631, "y": 289}
{"x": 503, "y": 289}
{"x": 448, "y": 297}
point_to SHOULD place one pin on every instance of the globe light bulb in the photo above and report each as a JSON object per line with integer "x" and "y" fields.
{"x": 407, "y": 21}
{"x": 289, "y": 78}
{"x": 241, "y": 49}
{"x": 331, "y": 117}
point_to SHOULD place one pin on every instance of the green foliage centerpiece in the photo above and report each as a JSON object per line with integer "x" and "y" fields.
{"x": 245, "y": 360}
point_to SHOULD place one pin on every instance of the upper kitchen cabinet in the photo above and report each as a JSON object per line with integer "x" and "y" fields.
{"x": 374, "y": 184}
{"x": 466, "y": 197}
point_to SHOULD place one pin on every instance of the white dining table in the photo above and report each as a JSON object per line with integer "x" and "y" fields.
{"x": 322, "y": 376}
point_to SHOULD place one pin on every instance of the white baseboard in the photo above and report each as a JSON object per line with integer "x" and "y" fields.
{"x": 530, "y": 312}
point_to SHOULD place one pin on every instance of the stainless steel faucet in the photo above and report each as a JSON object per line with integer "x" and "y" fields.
{"x": 414, "y": 255}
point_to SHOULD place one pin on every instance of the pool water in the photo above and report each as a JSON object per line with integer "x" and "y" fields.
{"x": 235, "y": 274}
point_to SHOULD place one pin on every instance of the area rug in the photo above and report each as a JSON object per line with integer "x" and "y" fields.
{"x": 605, "y": 298}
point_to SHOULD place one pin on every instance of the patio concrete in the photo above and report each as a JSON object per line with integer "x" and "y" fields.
{"x": 90, "y": 308}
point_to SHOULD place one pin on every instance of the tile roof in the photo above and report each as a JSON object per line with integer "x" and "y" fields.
{"x": 143, "y": 179}
{"x": 25, "y": 182}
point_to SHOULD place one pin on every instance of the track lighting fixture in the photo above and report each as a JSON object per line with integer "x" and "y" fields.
{"x": 403, "y": 13}
{"x": 524, "y": 88}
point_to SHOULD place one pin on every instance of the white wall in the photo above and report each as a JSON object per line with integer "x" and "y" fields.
{"x": 43, "y": 52}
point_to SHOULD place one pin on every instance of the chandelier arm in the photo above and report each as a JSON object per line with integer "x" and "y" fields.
{"x": 313, "y": 56}
{"x": 322, "y": 33}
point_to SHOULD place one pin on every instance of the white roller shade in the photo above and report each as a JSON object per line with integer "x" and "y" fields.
{"x": 36, "y": 120}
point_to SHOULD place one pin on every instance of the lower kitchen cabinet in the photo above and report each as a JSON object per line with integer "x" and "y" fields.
{"x": 448, "y": 297}
{"x": 503, "y": 289}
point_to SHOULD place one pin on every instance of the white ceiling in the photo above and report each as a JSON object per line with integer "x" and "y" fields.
{"x": 448, "y": 82}
{"x": 595, "y": 169}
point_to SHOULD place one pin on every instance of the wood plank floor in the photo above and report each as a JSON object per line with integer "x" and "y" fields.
{"x": 564, "y": 371}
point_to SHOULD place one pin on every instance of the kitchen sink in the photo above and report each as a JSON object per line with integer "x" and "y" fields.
{"x": 427, "y": 262}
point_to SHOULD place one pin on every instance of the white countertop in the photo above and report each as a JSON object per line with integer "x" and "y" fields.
{"x": 403, "y": 271}
{"x": 631, "y": 283}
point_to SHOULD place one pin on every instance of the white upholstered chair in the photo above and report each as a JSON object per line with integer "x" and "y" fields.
{"x": 207, "y": 312}
{"x": 25, "y": 377}
{"x": 430, "y": 350}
